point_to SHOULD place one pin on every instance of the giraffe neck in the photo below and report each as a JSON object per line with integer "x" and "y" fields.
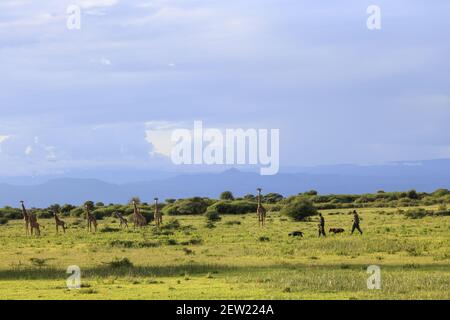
{"x": 24, "y": 211}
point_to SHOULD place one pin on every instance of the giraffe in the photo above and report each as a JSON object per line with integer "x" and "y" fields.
{"x": 157, "y": 214}
{"x": 91, "y": 220}
{"x": 138, "y": 219}
{"x": 123, "y": 221}
{"x": 59, "y": 223}
{"x": 26, "y": 218}
{"x": 34, "y": 225}
{"x": 261, "y": 211}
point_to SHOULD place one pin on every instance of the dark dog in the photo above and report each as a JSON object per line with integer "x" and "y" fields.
{"x": 336, "y": 230}
{"x": 296, "y": 234}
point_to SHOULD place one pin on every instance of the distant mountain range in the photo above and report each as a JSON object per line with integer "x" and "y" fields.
{"x": 399, "y": 176}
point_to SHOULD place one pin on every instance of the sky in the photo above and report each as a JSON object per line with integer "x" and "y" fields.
{"x": 109, "y": 94}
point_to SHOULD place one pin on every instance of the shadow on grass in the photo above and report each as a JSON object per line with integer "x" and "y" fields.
{"x": 49, "y": 273}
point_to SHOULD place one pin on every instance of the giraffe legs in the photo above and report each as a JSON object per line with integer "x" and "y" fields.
{"x": 27, "y": 228}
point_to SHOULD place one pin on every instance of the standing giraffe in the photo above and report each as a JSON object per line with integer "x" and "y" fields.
{"x": 91, "y": 220}
{"x": 138, "y": 219}
{"x": 34, "y": 225}
{"x": 123, "y": 221}
{"x": 157, "y": 215}
{"x": 261, "y": 211}
{"x": 26, "y": 218}
{"x": 59, "y": 223}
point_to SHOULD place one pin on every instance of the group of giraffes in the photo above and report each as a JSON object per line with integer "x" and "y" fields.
{"x": 32, "y": 226}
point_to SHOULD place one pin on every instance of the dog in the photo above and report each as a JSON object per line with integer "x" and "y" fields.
{"x": 296, "y": 234}
{"x": 336, "y": 230}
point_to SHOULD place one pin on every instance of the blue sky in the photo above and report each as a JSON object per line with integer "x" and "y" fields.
{"x": 338, "y": 92}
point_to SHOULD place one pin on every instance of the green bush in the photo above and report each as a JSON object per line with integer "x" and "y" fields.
{"x": 172, "y": 224}
{"x": 234, "y": 207}
{"x": 77, "y": 212}
{"x": 299, "y": 210}
{"x": 212, "y": 215}
{"x": 121, "y": 263}
{"x": 11, "y": 213}
{"x": 43, "y": 214}
{"x": 192, "y": 206}
{"x": 417, "y": 213}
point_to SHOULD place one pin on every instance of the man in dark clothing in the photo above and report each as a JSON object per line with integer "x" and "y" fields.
{"x": 322, "y": 226}
{"x": 356, "y": 222}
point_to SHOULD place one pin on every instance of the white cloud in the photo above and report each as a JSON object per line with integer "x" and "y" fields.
{"x": 105, "y": 62}
{"x": 158, "y": 134}
{"x": 3, "y": 139}
{"x": 36, "y": 20}
{"x": 89, "y": 4}
{"x": 28, "y": 150}
{"x": 50, "y": 150}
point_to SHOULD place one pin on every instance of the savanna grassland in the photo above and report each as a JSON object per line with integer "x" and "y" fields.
{"x": 233, "y": 259}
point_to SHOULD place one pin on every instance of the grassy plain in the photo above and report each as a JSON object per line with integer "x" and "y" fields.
{"x": 234, "y": 260}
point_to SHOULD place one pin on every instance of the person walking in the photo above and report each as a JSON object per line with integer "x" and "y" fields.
{"x": 322, "y": 226}
{"x": 356, "y": 221}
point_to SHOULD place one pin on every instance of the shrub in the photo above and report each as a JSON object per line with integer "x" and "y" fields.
{"x": 3, "y": 220}
{"x": 299, "y": 210}
{"x": 133, "y": 244}
{"x": 121, "y": 263}
{"x": 172, "y": 242}
{"x": 234, "y": 207}
{"x": 171, "y": 224}
{"x": 193, "y": 241}
{"x": 232, "y": 223}
{"x": 417, "y": 213}
{"x": 65, "y": 209}
{"x": 77, "y": 212}
{"x": 441, "y": 192}
{"x": 212, "y": 215}
{"x": 190, "y": 206}
{"x": 109, "y": 229}
{"x": 210, "y": 224}
{"x": 103, "y": 212}
{"x": 43, "y": 214}
{"x": 10, "y": 213}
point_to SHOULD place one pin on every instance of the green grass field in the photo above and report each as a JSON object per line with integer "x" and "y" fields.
{"x": 230, "y": 261}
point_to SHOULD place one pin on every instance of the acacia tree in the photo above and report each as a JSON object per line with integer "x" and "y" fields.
{"x": 299, "y": 209}
{"x": 226, "y": 195}
{"x": 135, "y": 199}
